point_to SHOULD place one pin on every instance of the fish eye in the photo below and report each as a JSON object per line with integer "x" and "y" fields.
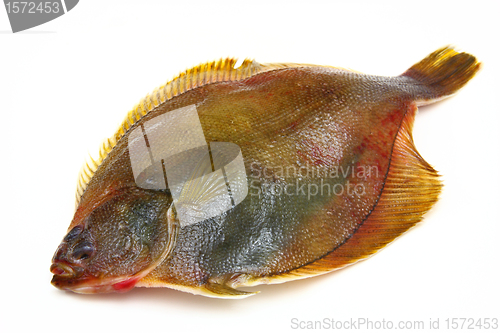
{"x": 82, "y": 251}
{"x": 73, "y": 233}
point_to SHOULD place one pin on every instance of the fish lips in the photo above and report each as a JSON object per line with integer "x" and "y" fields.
{"x": 68, "y": 276}
{"x": 64, "y": 270}
{"x": 72, "y": 278}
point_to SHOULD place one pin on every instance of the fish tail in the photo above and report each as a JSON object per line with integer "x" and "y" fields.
{"x": 442, "y": 73}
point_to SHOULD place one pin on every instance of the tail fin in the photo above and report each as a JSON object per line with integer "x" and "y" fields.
{"x": 442, "y": 73}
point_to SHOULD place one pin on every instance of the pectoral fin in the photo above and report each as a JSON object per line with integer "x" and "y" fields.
{"x": 218, "y": 290}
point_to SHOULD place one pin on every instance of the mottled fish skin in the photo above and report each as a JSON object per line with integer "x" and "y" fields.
{"x": 301, "y": 129}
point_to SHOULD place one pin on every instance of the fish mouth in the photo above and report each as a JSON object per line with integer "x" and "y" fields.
{"x": 65, "y": 270}
{"x": 92, "y": 285}
{"x": 65, "y": 279}
{"x": 72, "y": 278}
{"x": 67, "y": 276}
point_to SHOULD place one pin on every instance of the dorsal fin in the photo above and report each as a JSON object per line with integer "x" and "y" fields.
{"x": 211, "y": 72}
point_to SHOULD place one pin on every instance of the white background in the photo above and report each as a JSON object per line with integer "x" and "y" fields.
{"x": 65, "y": 85}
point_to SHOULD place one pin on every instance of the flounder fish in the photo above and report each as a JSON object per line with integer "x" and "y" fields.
{"x": 239, "y": 175}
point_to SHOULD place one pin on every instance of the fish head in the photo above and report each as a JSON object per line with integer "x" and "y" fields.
{"x": 116, "y": 243}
